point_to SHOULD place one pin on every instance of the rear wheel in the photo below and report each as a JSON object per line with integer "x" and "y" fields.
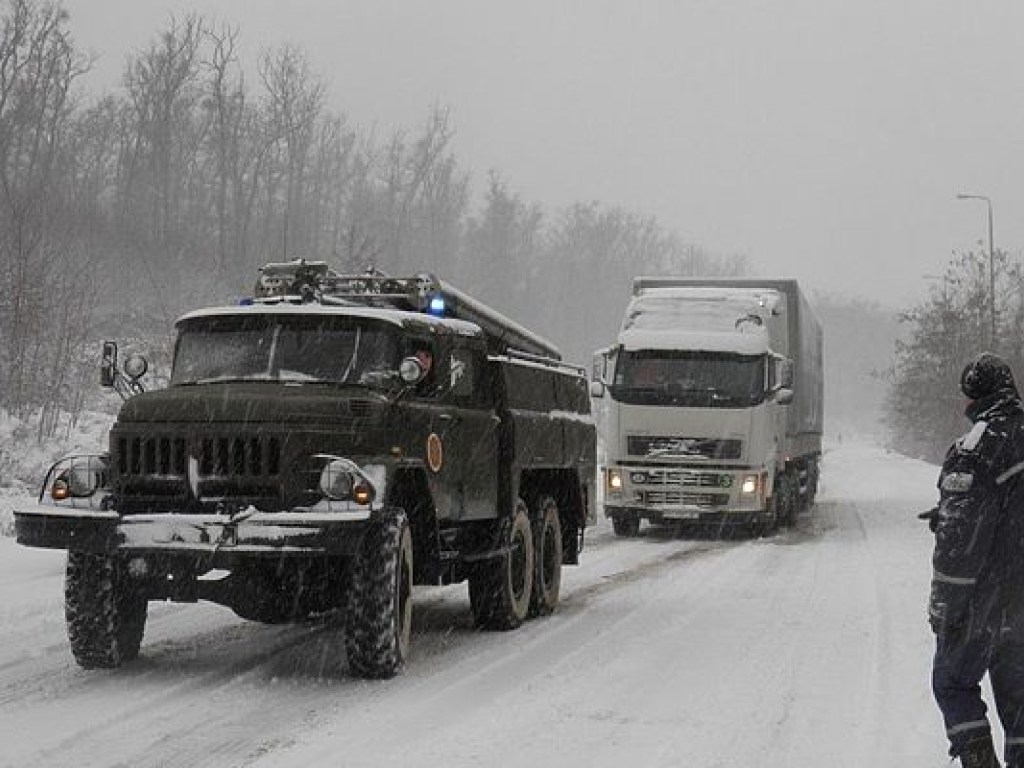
{"x": 627, "y": 527}
{"x": 379, "y": 620}
{"x": 105, "y": 610}
{"x": 500, "y": 589}
{"x": 547, "y": 575}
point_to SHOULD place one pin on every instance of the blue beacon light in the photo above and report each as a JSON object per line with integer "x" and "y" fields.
{"x": 436, "y": 306}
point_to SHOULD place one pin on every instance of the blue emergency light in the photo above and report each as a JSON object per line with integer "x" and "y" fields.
{"x": 436, "y": 306}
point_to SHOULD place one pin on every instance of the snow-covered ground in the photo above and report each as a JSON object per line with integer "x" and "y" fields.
{"x": 807, "y": 649}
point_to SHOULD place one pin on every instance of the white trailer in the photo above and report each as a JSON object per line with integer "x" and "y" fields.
{"x": 714, "y": 404}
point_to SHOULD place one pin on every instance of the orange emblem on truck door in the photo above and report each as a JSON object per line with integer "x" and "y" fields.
{"x": 435, "y": 452}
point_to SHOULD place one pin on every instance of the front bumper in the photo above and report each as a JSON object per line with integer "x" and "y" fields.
{"x": 250, "y": 532}
{"x": 680, "y": 492}
{"x": 694, "y": 515}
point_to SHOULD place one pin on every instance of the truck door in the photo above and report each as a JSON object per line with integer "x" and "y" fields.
{"x": 468, "y": 434}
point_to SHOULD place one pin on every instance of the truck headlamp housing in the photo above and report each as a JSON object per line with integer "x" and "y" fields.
{"x": 614, "y": 480}
{"x": 78, "y": 481}
{"x": 749, "y": 485}
{"x": 336, "y": 480}
{"x": 342, "y": 480}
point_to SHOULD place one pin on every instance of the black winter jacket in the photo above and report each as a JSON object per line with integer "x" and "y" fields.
{"x": 978, "y": 562}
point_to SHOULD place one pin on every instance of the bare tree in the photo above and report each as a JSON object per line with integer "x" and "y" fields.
{"x": 294, "y": 100}
{"x": 38, "y": 66}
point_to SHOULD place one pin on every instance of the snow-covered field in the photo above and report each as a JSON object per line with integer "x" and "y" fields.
{"x": 808, "y": 649}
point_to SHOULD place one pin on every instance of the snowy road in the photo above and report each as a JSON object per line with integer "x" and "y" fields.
{"x": 808, "y": 649}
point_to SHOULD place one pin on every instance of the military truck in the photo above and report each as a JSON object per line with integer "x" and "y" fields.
{"x": 323, "y": 447}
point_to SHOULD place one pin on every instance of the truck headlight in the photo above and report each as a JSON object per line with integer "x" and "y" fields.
{"x": 615, "y": 480}
{"x": 343, "y": 480}
{"x": 749, "y": 484}
{"x": 336, "y": 479}
{"x": 77, "y": 477}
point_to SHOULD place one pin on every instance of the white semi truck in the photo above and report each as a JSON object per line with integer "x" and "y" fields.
{"x": 713, "y": 404}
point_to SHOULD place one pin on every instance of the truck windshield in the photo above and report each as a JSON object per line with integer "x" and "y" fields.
{"x": 696, "y": 379}
{"x": 278, "y": 348}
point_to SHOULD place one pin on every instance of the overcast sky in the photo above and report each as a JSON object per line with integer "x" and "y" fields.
{"x": 825, "y": 140}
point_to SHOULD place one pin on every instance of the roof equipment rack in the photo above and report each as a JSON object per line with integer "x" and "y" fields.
{"x": 313, "y": 281}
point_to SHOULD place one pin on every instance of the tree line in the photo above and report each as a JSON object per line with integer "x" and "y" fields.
{"x": 119, "y": 211}
{"x": 943, "y": 332}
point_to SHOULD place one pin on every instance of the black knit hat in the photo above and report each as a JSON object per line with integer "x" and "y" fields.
{"x": 985, "y": 375}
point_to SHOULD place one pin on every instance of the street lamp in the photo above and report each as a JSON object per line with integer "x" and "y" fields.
{"x": 991, "y": 265}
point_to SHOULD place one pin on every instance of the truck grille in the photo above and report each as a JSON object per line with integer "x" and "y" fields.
{"x": 686, "y": 479}
{"x": 681, "y": 498}
{"x": 704, "y": 447}
{"x": 221, "y": 456}
{"x": 153, "y": 472}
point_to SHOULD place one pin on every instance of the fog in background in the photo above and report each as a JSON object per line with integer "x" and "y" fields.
{"x": 824, "y": 140}
{"x": 538, "y": 154}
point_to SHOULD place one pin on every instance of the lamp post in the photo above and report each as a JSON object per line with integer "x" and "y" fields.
{"x": 991, "y": 266}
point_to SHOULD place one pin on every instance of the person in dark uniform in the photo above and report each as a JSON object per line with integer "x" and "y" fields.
{"x": 976, "y": 605}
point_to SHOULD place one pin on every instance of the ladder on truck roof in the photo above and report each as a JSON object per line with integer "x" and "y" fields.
{"x": 314, "y": 281}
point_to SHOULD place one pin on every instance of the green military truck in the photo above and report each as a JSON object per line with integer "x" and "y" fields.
{"x": 324, "y": 447}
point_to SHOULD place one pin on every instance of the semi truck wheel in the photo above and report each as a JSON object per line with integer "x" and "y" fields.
{"x": 105, "y": 611}
{"x": 500, "y": 589}
{"x": 547, "y": 544}
{"x": 787, "y": 498}
{"x": 379, "y": 618}
{"x": 627, "y": 527}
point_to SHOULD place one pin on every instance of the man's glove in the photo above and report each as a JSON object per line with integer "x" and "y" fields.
{"x": 932, "y": 516}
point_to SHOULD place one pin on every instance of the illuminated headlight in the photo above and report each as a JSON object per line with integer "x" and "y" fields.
{"x": 343, "y": 480}
{"x": 638, "y": 477}
{"x": 749, "y": 484}
{"x": 614, "y": 480}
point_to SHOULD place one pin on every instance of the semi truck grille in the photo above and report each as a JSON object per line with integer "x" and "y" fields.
{"x": 685, "y": 479}
{"x": 680, "y": 498}
{"x": 705, "y": 447}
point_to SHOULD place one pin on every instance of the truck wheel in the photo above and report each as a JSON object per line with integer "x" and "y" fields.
{"x": 500, "y": 589}
{"x": 105, "y": 611}
{"x": 547, "y": 550}
{"x": 379, "y": 619}
{"x": 627, "y": 527}
{"x": 787, "y": 502}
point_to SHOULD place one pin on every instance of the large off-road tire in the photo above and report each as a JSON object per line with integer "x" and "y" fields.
{"x": 379, "y": 620}
{"x": 105, "y": 610}
{"x": 626, "y": 527}
{"x": 500, "y": 589}
{"x": 547, "y": 552}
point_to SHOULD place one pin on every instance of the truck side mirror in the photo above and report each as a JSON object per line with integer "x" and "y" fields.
{"x": 599, "y": 362}
{"x": 597, "y": 388}
{"x": 784, "y": 396}
{"x": 108, "y": 364}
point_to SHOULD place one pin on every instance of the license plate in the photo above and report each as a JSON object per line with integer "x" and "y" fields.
{"x": 680, "y": 514}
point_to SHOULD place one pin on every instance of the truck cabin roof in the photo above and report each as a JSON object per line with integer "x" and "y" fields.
{"x": 400, "y": 319}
